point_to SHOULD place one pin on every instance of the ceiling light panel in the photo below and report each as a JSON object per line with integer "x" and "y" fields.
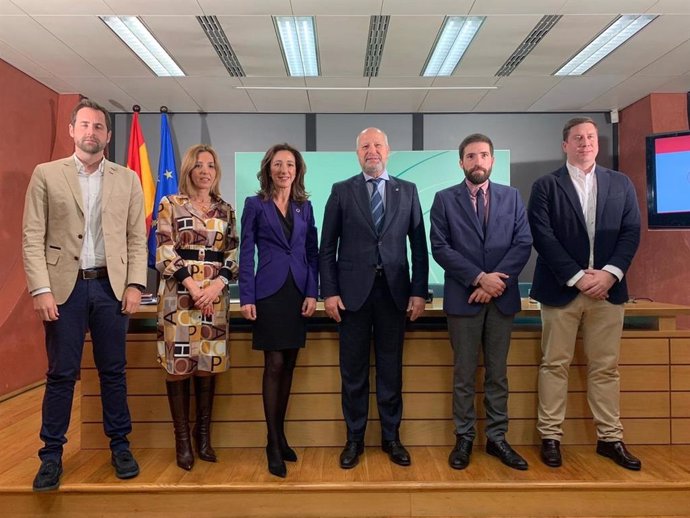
{"x": 620, "y": 31}
{"x": 138, "y": 38}
{"x": 297, "y": 36}
{"x": 454, "y": 38}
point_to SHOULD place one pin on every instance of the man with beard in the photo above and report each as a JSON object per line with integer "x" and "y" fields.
{"x": 84, "y": 247}
{"x": 480, "y": 237}
{"x": 366, "y": 286}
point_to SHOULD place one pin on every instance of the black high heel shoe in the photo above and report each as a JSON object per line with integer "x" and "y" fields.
{"x": 286, "y": 452}
{"x": 276, "y": 465}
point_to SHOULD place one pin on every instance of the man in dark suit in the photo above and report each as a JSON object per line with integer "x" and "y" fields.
{"x": 366, "y": 286}
{"x": 586, "y": 227}
{"x": 480, "y": 237}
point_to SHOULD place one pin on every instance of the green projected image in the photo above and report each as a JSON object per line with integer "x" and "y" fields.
{"x": 431, "y": 171}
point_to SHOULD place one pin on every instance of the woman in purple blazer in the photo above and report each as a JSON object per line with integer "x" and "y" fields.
{"x": 280, "y": 292}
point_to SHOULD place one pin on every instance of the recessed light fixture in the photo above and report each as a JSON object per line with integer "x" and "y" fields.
{"x": 620, "y": 31}
{"x": 452, "y": 41}
{"x": 297, "y": 36}
{"x": 138, "y": 38}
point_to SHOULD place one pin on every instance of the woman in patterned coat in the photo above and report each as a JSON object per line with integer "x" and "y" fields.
{"x": 197, "y": 243}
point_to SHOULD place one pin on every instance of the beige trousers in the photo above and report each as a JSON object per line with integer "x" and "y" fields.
{"x": 601, "y": 325}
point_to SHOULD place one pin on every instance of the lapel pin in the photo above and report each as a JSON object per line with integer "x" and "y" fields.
{"x": 297, "y": 210}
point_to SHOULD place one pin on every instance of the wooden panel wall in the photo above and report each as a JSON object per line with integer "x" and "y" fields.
{"x": 655, "y": 399}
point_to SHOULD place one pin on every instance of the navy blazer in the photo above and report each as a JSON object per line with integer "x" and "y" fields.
{"x": 350, "y": 246}
{"x": 463, "y": 249}
{"x": 262, "y": 230}
{"x": 560, "y": 233}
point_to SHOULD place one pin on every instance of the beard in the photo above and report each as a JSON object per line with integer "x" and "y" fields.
{"x": 92, "y": 146}
{"x": 478, "y": 175}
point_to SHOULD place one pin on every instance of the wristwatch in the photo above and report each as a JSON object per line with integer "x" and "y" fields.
{"x": 224, "y": 280}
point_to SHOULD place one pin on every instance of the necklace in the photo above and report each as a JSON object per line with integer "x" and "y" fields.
{"x": 201, "y": 205}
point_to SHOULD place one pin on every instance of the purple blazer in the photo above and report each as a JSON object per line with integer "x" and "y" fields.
{"x": 263, "y": 231}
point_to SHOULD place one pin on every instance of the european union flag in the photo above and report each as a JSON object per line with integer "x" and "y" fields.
{"x": 166, "y": 183}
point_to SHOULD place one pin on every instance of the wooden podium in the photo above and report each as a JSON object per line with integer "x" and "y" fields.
{"x": 654, "y": 367}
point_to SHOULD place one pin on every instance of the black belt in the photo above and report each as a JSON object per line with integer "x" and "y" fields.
{"x": 208, "y": 256}
{"x": 93, "y": 273}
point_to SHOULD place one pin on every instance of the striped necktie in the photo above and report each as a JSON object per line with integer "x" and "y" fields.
{"x": 376, "y": 205}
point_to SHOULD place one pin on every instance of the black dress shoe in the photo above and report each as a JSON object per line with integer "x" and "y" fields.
{"x": 617, "y": 451}
{"x": 397, "y": 452}
{"x": 551, "y": 453}
{"x": 48, "y": 476}
{"x": 508, "y": 455}
{"x": 125, "y": 464}
{"x": 349, "y": 457}
{"x": 459, "y": 457}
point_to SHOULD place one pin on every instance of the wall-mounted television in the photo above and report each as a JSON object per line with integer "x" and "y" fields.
{"x": 668, "y": 180}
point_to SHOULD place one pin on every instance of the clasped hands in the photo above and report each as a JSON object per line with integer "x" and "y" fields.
{"x": 204, "y": 297}
{"x": 490, "y": 285}
{"x": 596, "y": 283}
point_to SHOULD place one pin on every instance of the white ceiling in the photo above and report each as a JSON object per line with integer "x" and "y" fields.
{"x": 64, "y": 45}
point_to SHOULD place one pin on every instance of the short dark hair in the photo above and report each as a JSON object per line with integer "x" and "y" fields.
{"x": 575, "y": 121}
{"x": 88, "y": 103}
{"x": 267, "y": 189}
{"x": 471, "y": 139}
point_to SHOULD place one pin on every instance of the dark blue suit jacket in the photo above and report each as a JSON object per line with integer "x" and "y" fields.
{"x": 262, "y": 229}
{"x": 350, "y": 246}
{"x": 560, "y": 233}
{"x": 463, "y": 249}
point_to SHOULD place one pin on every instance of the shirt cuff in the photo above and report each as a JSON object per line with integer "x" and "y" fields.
{"x": 614, "y": 270}
{"x": 475, "y": 283}
{"x": 573, "y": 280}
{"x": 39, "y": 291}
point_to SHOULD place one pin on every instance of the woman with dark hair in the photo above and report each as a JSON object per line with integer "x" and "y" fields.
{"x": 196, "y": 249}
{"x": 281, "y": 291}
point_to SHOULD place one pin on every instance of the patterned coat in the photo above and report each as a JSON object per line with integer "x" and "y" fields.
{"x": 187, "y": 340}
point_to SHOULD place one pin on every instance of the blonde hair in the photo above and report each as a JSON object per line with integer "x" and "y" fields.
{"x": 189, "y": 163}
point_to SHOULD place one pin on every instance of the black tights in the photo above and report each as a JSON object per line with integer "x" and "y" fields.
{"x": 277, "y": 382}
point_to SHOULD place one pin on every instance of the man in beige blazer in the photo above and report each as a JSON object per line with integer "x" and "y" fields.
{"x": 84, "y": 247}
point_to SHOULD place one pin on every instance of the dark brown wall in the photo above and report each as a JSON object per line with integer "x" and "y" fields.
{"x": 33, "y": 130}
{"x": 660, "y": 269}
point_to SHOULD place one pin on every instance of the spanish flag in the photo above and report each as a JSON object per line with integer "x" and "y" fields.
{"x": 138, "y": 161}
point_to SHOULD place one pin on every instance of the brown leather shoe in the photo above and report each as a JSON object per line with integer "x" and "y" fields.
{"x": 551, "y": 453}
{"x": 617, "y": 452}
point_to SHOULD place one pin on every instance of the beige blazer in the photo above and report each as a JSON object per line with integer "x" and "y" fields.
{"x": 53, "y": 228}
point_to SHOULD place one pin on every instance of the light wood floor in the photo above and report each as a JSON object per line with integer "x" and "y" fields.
{"x": 240, "y": 485}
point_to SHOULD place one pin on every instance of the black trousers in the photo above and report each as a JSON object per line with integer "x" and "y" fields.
{"x": 381, "y": 319}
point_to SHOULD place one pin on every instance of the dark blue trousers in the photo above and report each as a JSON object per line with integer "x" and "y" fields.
{"x": 380, "y": 317}
{"x": 92, "y": 305}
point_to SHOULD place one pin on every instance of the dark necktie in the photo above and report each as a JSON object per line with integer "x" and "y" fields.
{"x": 481, "y": 209}
{"x": 376, "y": 205}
